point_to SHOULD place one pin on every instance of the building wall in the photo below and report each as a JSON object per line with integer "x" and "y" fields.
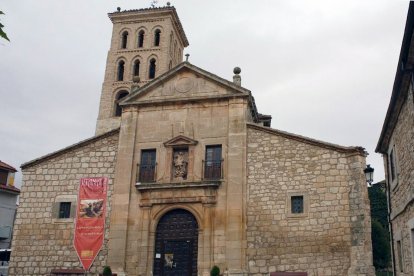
{"x": 320, "y": 241}
{"x": 402, "y": 190}
{"x": 170, "y": 50}
{"x": 219, "y": 212}
{"x": 7, "y": 212}
{"x": 41, "y": 242}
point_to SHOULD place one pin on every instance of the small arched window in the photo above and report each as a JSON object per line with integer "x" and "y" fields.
{"x": 121, "y": 69}
{"x": 118, "y": 109}
{"x": 124, "y": 40}
{"x": 152, "y": 68}
{"x": 136, "y": 68}
{"x": 141, "y": 39}
{"x": 157, "y": 37}
{"x": 170, "y": 65}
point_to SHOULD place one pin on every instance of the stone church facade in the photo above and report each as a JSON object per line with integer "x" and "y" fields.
{"x": 197, "y": 177}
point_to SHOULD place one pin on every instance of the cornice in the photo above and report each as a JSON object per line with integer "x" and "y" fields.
{"x": 68, "y": 149}
{"x": 349, "y": 150}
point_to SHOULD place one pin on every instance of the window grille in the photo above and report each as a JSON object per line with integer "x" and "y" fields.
{"x": 297, "y": 204}
{"x": 64, "y": 210}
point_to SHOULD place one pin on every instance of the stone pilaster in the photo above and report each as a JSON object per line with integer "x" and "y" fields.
{"x": 122, "y": 193}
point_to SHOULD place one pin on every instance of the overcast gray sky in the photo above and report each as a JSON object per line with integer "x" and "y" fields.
{"x": 322, "y": 68}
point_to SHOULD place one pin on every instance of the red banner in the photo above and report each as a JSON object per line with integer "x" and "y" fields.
{"x": 90, "y": 219}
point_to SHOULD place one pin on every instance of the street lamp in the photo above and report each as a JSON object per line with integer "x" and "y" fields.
{"x": 369, "y": 175}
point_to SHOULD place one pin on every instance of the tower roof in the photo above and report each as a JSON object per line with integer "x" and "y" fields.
{"x": 130, "y": 15}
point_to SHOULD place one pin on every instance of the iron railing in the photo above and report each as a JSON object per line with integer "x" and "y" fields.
{"x": 146, "y": 173}
{"x": 213, "y": 170}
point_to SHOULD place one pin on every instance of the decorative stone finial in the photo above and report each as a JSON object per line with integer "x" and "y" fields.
{"x": 118, "y": 9}
{"x": 168, "y": 4}
{"x": 237, "y": 77}
{"x": 186, "y": 57}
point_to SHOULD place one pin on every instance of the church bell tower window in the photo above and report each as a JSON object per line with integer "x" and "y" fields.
{"x": 121, "y": 69}
{"x": 118, "y": 109}
{"x": 157, "y": 37}
{"x": 141, "y": 39}
{"x": 124, "y": 40}
{"x": 136, "y": 68}
{"x": 152, "y": 68}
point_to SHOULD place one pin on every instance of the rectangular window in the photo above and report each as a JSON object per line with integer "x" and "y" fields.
{"x": 391, "y": 160}
{"x": 400, "y": 256}
{"x": 296, "y": 204}
{"x": 147, "y": 166}
{"x": 3, "y": 177}
{"x": 213, "y": 163}
{"x": 64, "y": 210}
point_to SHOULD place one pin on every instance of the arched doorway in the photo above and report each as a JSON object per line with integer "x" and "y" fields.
{"x": 176, "y": 244}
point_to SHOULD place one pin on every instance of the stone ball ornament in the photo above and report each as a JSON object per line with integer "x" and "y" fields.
{"x": 236, "y": 70}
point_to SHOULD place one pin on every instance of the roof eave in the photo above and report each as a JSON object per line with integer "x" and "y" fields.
{"x": 349, "y": 150}
{"x": 404, "y": 68}
{"x": 167, "y": 10}
{"x": 66, "y": 149}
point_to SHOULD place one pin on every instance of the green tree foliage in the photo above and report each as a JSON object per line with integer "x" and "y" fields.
{"x": 380, "y": 245}
{"x": 380, "y": 234}
{"x": 2, "y": 33}
{"x": 215, "y": 271}
{"x": 378, "y": 200}
{"x": 107, "y": 271}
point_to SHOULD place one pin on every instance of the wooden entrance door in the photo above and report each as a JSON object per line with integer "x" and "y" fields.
{"x": 176, "y": 244}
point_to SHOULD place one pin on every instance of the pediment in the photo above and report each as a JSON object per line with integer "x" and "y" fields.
{"x": 185, "y": 82}
{"x": 179, "y": 141}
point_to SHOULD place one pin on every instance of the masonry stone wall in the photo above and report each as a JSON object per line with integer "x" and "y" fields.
{"x": 320, "y": 240}
{"x": 402, "y": 191}
{"x": 41, "y": 241}
{"x": 167, "y": 55}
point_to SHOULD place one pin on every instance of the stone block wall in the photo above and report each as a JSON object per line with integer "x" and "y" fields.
{"x": 402, "y": 190}
{"x": 319, "y": 240}
{"x": 41, "y": 241}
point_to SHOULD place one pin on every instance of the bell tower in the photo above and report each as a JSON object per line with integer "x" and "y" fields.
{"x": 145, "y": 43}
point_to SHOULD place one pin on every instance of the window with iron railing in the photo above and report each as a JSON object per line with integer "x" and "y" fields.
{"x": 147, "y": 167}
{"x": 212, "y": 165}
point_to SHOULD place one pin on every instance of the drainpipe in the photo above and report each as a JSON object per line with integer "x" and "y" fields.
{"x": 394, "y": 270}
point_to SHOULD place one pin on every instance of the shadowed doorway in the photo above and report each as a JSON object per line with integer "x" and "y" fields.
{"x": 176, "y": 244}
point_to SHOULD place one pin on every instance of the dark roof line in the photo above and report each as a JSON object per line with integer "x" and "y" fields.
{"x": 10, "y": 189}
{"x": 7, "y": 167}
{"x": 66, "y": 149}
{"x": 356, "y": 150}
